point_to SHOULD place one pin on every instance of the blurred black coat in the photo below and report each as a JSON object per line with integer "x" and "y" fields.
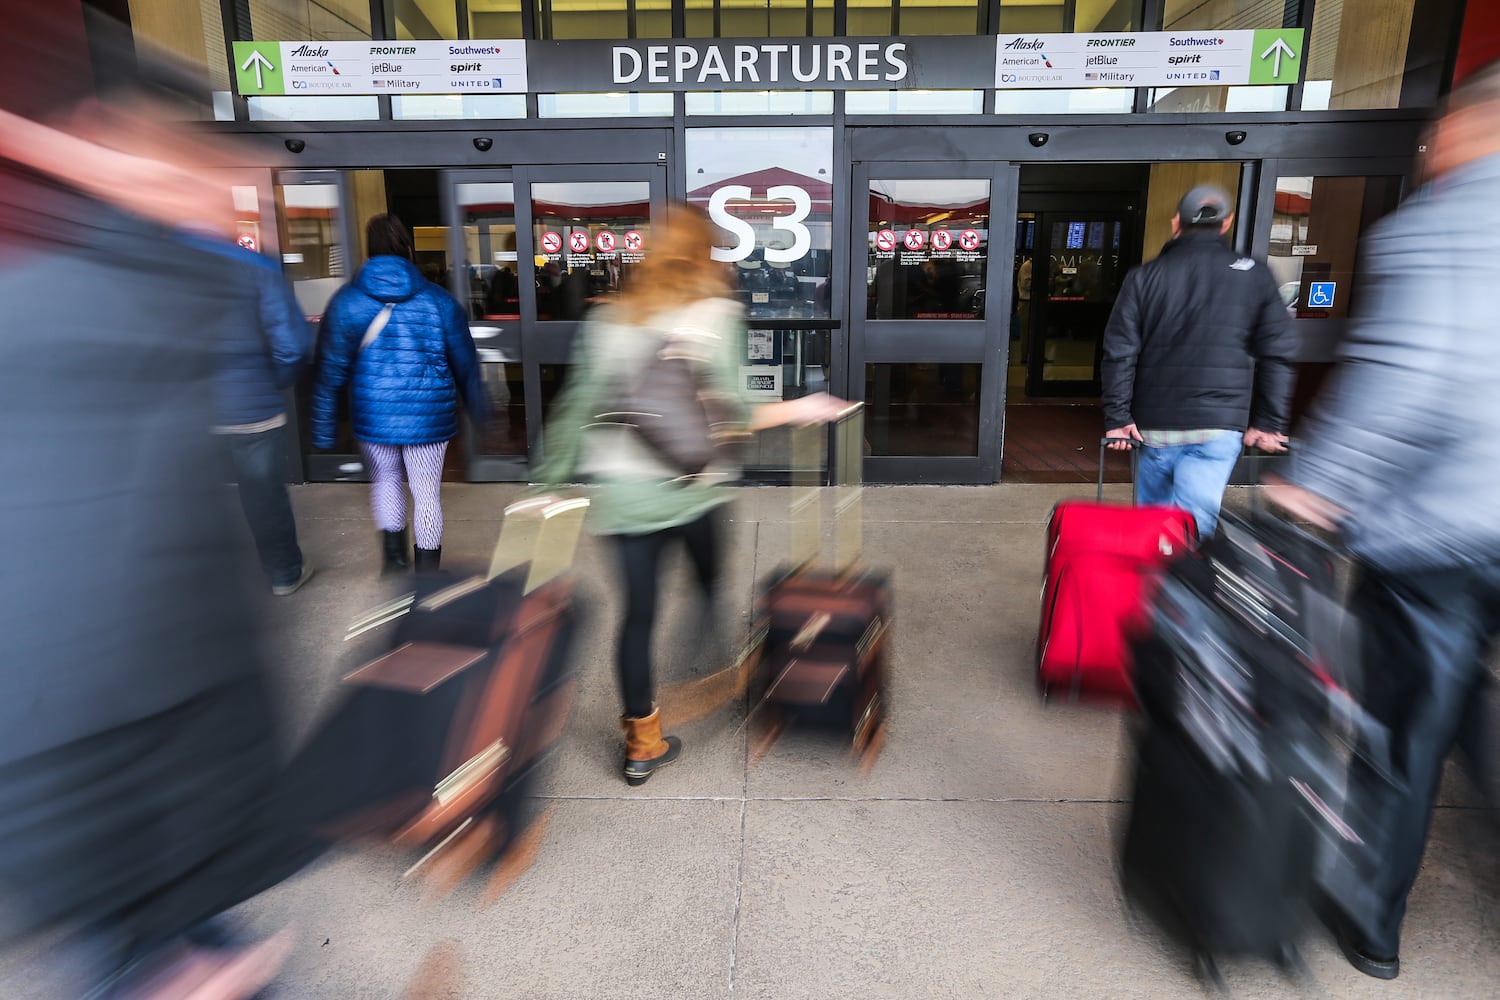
{"x": 135, "y": 732}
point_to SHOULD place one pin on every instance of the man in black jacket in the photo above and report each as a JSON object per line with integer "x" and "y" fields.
{"x": 1198, "y": 357}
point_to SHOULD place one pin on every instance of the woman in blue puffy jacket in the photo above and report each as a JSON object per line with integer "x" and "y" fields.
{"x": 402, "y": 347}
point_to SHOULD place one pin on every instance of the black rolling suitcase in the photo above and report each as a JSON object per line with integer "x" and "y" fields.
{"x": 1236, "y": 772}
{"x": 448, "y": 727}
{"x": 822, "y": 632}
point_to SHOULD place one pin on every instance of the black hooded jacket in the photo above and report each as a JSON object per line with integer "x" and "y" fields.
{"x": 1199, "y": 339}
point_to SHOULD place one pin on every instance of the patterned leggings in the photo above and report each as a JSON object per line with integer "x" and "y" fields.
{"x": 392, "y": 467}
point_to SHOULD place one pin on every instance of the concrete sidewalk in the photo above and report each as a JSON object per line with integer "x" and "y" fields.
{"x": 976, "y": 860}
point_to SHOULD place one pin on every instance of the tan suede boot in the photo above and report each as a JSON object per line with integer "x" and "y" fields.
{"x": 645, "y": 747}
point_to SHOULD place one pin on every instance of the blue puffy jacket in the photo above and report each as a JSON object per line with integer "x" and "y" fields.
{"x": 264, "y": 351}
{"x": 404, "y": 387}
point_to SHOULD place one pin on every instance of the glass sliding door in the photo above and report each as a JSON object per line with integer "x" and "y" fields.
{"x": 927, "y": 322}
{"x": 537, "y": 248}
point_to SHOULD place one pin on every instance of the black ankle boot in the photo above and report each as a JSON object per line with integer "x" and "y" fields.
{"x": 427, "y": 559}
{"x": 394, "y": 548}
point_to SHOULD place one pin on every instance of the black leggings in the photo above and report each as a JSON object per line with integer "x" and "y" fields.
{"x": 640, "y": 560}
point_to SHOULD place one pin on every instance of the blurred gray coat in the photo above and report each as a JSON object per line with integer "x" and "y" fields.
{"x": 135, "y": 736}
{"x": 1406, "y": 434}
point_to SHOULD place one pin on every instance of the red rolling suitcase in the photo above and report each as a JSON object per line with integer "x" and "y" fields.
{"x": 1101, "y": 561}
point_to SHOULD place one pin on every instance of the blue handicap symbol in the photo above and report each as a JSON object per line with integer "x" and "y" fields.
{"x": 1320, "y": 294}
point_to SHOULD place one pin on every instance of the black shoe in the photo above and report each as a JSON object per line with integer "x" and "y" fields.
{"x": 428, "y": 559}
{"x": 394, "y": 549}
{"x": 638, "y": 771}
{"x": 1354, "y": 948}
{"x": 1379, "y": 968}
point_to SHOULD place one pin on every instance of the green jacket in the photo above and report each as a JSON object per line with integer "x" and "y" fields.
{"x": 636, "y": 492}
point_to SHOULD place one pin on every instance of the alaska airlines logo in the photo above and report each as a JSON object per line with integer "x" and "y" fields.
{"x": 1033, "y": 44}
{"x": 309, "y": 51}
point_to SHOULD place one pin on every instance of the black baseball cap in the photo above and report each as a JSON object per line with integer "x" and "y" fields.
{"x": 1204, "y": 205}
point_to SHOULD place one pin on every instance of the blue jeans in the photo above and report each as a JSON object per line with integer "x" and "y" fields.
{"x": 1189, "y": 476}
{"x": 260, "y": 470}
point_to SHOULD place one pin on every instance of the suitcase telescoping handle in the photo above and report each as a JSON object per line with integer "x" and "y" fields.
{"x": 1104, "y": 444}
{"x": 540, "y": 533}
{"x": 845, "y": 475}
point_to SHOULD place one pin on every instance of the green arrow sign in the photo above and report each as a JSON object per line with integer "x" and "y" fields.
{"x": 1276, "y": 56}
{"x": 257, "y": 68}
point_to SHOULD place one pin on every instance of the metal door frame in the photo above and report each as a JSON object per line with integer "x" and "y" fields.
{"x": 320, "y": 466}
{"x": 985, "y": 342}
{"x": 481, "y": 467}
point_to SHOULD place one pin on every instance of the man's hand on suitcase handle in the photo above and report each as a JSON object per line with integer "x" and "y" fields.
{"x": 1124, "y": 435}
{"x": 1266, "y": 441}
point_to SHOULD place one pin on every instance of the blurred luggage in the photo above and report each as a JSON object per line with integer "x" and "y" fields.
{"x": 822, "y": 632}
{"x": 1102, "y": 559}
{"x": 1237, "y": 775}
{"x": 450, "y": 724}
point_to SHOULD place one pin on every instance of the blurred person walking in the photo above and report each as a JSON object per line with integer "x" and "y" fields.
{"x": 1401, "y": 455}
{"x": 137, "y": 761}
{"x": 266, "y": 351}
{"x": 644, "y": 503}
{"x": 1198, "y": 359}
{"x": 401, "y": 345}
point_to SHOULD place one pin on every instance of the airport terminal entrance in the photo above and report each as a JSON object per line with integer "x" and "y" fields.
{"x": 525, "y": 251}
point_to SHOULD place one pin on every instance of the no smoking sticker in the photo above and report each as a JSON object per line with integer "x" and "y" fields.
{"x": 247, "y": 241}
{"x": 885, "y": 240}
{"x": 578, "y": 240}
{"x": 914, "y": 239}
{"x": 605, "y": 241}
{"x": 634, "y": 242}
{"x": 969, "y": 239}
{"x": 551, "y": 242}
{"x": 942, "y": 240}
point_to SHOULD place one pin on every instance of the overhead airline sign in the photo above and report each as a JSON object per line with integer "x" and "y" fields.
{"x": 512, "y": 66}
{"x": 347, "y": 68}
{"x": 1149, "y": 59}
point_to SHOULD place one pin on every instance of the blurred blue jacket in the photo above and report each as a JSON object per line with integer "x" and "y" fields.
{"x": 404, "y": 387}
{"x": 265, "y": 350}
{"x": 1406, "y": 434}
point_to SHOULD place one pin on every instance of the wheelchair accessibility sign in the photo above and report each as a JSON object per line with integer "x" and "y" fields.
{"x": 1320, "y": 294}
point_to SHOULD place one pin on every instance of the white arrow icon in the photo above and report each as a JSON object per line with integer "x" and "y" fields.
{"x": 1281, "y": 48}
{"x": 260, "y": 62}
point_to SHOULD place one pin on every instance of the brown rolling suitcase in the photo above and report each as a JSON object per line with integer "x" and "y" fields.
{"x": 451, "y": 723}
{"x": 822, "y": 632}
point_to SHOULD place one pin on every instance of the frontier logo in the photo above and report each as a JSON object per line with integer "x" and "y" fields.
{"x": 1111, "y": 43}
